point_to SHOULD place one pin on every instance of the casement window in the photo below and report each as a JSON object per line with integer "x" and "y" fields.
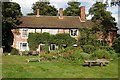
{"x": 23, "y": 46}
{"x": 25, "y": 33}
{"x": 73, "y": 32}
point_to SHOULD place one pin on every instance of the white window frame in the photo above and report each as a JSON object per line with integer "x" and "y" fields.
{"x": 54, "y": 47}
{"x": 24, "y": 32}
{"x": 21, "y": 46}
{"x": 74, "y": 33}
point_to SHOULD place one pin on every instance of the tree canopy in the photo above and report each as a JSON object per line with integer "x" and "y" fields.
{"x": 11, "y": 11}
{"x": 72, "y": 9}
{"x": 101, "y": 16}
{"x": 45, "y": 8}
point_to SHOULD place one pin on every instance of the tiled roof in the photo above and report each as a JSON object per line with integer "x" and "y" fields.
{"x": 53, "y": 22}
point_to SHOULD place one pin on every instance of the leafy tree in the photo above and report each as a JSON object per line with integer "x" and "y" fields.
{"x": 72, "y": 9}
{"x": 11, "y": 11}
{"x": 45, "y": 9}
{"x": 102, "y": 18}
{"x": 87, "y": 37}
{"x": 116, "y": 44}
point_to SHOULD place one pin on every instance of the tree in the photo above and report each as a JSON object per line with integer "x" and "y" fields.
{"x": 11, "y": 11}
{"x": 102, "y": 18}
{"x": 116, "y": 44}
{"x": 72, "y": 9}
{"x": 45, "y": 9}
{"x": 87, "y": 37}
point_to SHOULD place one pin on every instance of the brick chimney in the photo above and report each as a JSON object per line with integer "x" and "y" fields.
{"x": 38, "y": 13}
{"x": 61, "y": 13}
{"x": 82, "y": 14}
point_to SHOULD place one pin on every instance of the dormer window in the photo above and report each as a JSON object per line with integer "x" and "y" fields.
{"x": 73, "y": 32}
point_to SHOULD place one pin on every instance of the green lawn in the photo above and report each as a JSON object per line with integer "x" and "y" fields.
{"x": 17, "y": 67}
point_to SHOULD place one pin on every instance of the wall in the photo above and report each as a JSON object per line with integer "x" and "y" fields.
{"x": 18, "y": 37}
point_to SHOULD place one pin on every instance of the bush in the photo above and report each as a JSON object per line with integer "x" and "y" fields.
{"x": 14, "y": 51}
{"x": 84, "y": 56}
{"x": 99, "y": 54}
{"x": 106, "y": 48}
{"x": 88, "y": 48}
{"x": 113, "y": 54}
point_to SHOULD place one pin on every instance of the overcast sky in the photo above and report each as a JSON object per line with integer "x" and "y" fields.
{"x": 27, "y": 4}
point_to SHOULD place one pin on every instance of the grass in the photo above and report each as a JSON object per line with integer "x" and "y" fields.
{"x": 17, "y": 67}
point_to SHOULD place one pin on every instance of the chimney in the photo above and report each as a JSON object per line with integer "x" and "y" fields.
{"x": 61, "y": 13}
{"x": 38, "y": 13}
{"x": 82, "y": 14}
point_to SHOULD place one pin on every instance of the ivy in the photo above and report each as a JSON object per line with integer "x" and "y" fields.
{"x": 34, "y": 39}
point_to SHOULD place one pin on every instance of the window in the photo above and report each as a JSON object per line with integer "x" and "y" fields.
{"x": 25, "y": 33}
{"x": 52, "y": 46}
{"x": 73, "y": 32}
{"x": 23, "y": 46}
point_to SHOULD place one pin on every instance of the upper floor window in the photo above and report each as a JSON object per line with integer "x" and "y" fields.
{"x": 73, "y": 32}
{"x": 25, "y": 33}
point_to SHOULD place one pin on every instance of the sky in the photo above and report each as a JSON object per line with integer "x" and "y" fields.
{"x": 26, "y": 6}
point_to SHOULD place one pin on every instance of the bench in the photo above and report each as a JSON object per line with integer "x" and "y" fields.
{"x": 101, "y": 62}
{"x": 33, "y": 59}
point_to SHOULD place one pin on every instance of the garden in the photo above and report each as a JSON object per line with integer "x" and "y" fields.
{"x": 64, "y": 62}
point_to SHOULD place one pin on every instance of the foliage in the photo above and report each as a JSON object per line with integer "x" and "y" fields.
{"x": 14, "y": 51}
{"x": 11, "y": 11}
{"x": 106, "y": 48}
{"x": 45, "y": 8}
{"x": 113, "y": 55}
{"x": 72, "y": 9}
{"x": 88, "y": 49}
{"x": 87, "y": 36}
{"x": 102, "y": 18}
{"x": 84, "y": 56}
{"x": 116, "y": 44}
{"x": 99, "y": 54}
{"x": 101, "y": 15}
{"x": 35, "y": 39}
{"x": 64, "y": 38}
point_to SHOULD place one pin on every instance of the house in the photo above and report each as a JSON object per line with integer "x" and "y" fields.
{"x": 52, "y": 25}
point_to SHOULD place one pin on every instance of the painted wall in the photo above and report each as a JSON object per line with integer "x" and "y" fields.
{"x": 19, "y": 38}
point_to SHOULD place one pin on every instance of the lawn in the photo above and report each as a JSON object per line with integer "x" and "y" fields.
{"x": 17, "y": 67}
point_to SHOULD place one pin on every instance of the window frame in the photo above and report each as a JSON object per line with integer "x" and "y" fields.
{"x": 22, "y": 47}
{"x": 73, "y": 32}
{"x": 24, "y": 32}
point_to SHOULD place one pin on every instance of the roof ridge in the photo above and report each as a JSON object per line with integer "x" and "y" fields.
{"x": 49, "y": 16}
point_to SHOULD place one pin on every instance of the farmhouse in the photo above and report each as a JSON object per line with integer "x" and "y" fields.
{"x": 52, "y": 25}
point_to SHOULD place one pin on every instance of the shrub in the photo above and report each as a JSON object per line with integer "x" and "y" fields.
{"x": 14, "y": 51}
{"x": 113, "y": 54}
{"x": 84, "y": 56}
{"x": 88, "y": 48}
{"x": 106, "y": 48}
{"x": 101, "y": 54}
